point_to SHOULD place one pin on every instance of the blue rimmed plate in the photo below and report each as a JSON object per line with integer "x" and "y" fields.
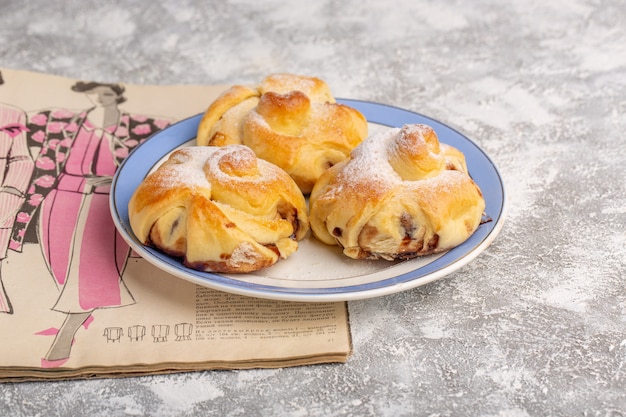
{"x": 317, "y": 272}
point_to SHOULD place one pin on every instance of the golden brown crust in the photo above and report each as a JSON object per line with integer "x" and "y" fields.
{"x": 282, "y": 83}
{"x": 221, "y": 209}
{"x": 290, "y": 120}
{"x": 401, "y": 194}
{"x": 229, "y": 105}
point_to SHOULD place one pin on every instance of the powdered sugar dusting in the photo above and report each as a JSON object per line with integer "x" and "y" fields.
{"x": 260, "y": 171}
{"x": 285, "y": 82}
{"x": 184, "y": 168}
{"x": 188, "y": 167}
{"x": 370, "y": 160}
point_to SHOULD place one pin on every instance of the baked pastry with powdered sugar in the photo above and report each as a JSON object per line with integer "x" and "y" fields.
{"x": 400, "y": 195}
{"x": 290, "y": 120}
{"x": 220, "y": 209}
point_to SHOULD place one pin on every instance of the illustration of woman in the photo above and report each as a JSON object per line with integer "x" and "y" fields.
{"x": 16, "y": 167}
{"x": 74, "y": 169}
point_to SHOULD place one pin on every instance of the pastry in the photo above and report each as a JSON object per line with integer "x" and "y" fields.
{"x": 290, "y": 120}
{"x": 400, "y": 195}
{"x": 220, "y": 209}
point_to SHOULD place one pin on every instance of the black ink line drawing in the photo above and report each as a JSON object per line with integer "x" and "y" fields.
{"x": 113, "y": 334}
{"x": 160, "y": 332}
{"x": 183, "y": 331}
{"x": 136, "y": 333}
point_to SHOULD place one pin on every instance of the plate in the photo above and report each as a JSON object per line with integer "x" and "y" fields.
{"x": 316, "y": 272}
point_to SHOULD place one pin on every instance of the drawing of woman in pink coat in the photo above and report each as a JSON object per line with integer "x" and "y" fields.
{"x": 16, "y": 167}
{"x": 70, "y": 194}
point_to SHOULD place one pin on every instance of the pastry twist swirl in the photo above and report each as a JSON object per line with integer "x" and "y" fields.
{"x": 290, "y": 120}
{"x": 221, "y": 209}
{"x": 401, "y": 194}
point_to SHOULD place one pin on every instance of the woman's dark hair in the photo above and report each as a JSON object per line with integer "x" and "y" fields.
{"x": 83, "y": 87}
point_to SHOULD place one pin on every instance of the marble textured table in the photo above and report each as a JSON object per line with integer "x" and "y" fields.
{"x": 535, "y": 326}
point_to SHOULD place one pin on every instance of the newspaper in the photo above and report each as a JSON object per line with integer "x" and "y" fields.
{"x": 75, "y": 302}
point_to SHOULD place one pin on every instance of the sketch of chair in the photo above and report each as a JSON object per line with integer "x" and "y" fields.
{"x": 160, "y": 332}
{"x": 136, "y": 333}
{"x": 183, "y": 331}
{"x": 113, "y": 334}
